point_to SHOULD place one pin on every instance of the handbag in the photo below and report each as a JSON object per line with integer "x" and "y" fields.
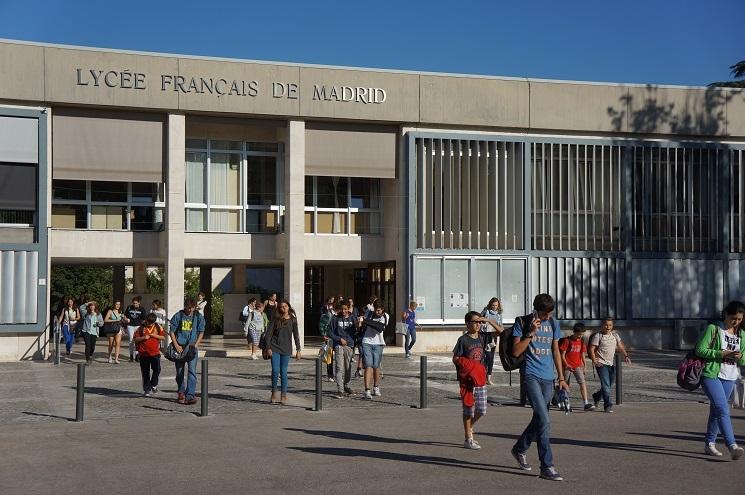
{"x": 266, "y": 351}
{"x": 187, "y": 353}
{"x": 402, "y": 328}
{"x": 691, "y": 369}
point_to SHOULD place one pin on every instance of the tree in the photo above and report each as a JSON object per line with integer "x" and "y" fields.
{"x": 74, "y": 280}
{"x": 738, "y": 73}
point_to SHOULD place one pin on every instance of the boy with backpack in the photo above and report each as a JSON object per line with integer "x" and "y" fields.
{"x": 148, "y": 337}
{"x": 535, "y": 338}
{"x": 469, "y": 356}
{"x": 602, "y": 352}
{"x": 573, "y": 350}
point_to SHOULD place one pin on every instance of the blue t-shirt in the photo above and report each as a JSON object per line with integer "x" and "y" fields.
{"x": 539, "y": 360}
{"x": 410, "y": 319}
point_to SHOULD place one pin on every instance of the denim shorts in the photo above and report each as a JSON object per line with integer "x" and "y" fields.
{"x": 372, "y": 355}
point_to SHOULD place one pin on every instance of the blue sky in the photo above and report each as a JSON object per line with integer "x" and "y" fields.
{"x": 688, "y": 42}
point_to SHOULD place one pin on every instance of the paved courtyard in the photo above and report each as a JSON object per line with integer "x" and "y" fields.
{"x": 653, "y": 443}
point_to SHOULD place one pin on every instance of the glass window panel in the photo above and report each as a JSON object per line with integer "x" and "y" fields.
{"x": 225, "y": 220}
{"x": 332, "y": 192}
{"x": 108, "y": 217}
{"x": 365, "y": 223}
{"x": 513, "y": 288}
{"x": 365, "y": 193}
{"x": 225, "y": 179}
{"x": 109, "y": 192}
{"x": 195, "y": 220}
{"x": 68, "y": 189}
{"x": 143, "y": 192}
{"x": 428, "y": 286}
{"x": 308, "y": 191}
{"x": 17, "y": 217}
{"x": 145, "y": 218}
{"x": 261, "y": 221}
{"x": 200, "y": 144}
{"x": 309, "y": 222}
{"x": 196, "y": 166}
{"x": 456, "y": 282}
{"x": 225, "y": 145}
{"x": 263, "y": 147}
{"x": 485, "y": 281}
{"x": 69, "y": 216}
{"x": 261, "y": 180}
{"x": 332, "y": 223}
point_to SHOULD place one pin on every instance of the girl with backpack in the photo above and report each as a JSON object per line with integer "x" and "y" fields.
{"x": 91, "y": 323}
{"x": 69, "y": 317}
{"x": 721, "y": 347}
{"x": 492, "y": 312}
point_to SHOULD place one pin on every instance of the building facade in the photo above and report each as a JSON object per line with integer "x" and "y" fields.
{"x": 620, "y": 200}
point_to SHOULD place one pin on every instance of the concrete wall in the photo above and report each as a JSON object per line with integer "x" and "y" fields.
{"x": 23, "y": 346}
{"x": 43, "y": 73}
{"x": 104, "y": 246}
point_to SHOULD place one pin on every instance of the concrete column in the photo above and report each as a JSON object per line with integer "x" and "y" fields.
{"x": 140, "y": 278}
{"x": 401, "y": 212}
{"x": 294, "y": 223}
{"x": 119, "y": 283}
{"x": 239, "y": 279}
{"x": 175, "y": 213}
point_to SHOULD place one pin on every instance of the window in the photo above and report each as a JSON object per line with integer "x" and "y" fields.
{"x": 232, "y": 186}
{"x": 18, "y": 202}
{"x": 107, "y": 205}
{"x": 342, "y": 205}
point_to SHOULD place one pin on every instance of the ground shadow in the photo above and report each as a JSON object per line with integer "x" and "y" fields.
{"x": 43, "y": 415}
{"x": 358, "y": 437}
{"x": 602, "y": 444}
{"x": 418, "y": 459}
{"x": 686, "y": 435}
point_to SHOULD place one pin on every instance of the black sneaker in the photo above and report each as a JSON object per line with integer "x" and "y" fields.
{"x": 348, "y": 391}
{"x": 589, "y": 407}
{"x": 521, "y": 458}
{"x": 131, "y": 359}
{"x": 550, "y": 473}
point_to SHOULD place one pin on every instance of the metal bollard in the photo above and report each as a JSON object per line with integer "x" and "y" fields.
{"x": 80, "y": 394}
{"x": 422, "y": 382}
{"x": 205, "y": 388}
{"x": 619, "y": 379}
{"x": 319, "y": 384}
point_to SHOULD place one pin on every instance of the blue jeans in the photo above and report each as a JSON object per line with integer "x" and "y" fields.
{"x": 410, "y": 339}
{"x": 191, "y": 381}
{"x": 69, "y": 336}
{"x": 718, "y": 391}
{"x": 607, "y": 375}
{"x": 539, "y": 392}
{"x": 279, "y": 368}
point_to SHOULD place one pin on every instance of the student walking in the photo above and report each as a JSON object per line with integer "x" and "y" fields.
{"x": 373, "y": 344}
{"x": 113, "y": 329}
{"x": 187, "y": 329}
{"x": 201, "y": 303}
{"x": 721, "y": 347}
{"x": 270, "y": 306}
{"x": 69, "y": 318}
{"x": 573, "y": 350}
{"x": 254, "y": 325}
{"x": 161, "y": 319}
{"x": 324, "y": 329}
{"x": 279, "y": 336}
{"x": 408, "y": 316}
{"x": 89, "y": 331}
{"x": 148, "y": 337}
{"x": 469, "y": 356}
{"x": 537, "y": 335}
{"x": 492, "y": 313}
{"x": 343, "y": 334}
{"x": 134, "y": 316}
{"x": 602, "y": 351}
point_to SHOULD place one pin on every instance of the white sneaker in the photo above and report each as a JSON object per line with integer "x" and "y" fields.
{"x": 735, "y": 451}
{"x": 376, "y": 391}
{"x": 254, "y": 357}
{"x": 110, "y": 359}
{"x": 711, "y": 449}
{"x": 471, "y": 444}
{"x": 368, "y": 395}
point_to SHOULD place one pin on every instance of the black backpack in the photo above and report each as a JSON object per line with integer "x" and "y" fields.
{"x": 506, "y": 345}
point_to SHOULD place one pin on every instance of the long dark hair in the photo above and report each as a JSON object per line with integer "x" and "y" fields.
{"x": 492, "y": 301}
{"x": 277, "y": 317}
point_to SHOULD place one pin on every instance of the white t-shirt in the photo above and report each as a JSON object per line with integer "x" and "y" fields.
{"x": 728, "y": 370}
{"x": 372, "y": 336}
{"x": 606, "y": 346}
